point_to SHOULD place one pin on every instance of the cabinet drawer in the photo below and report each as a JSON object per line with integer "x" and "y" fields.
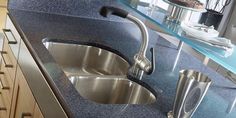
{"x": 8, "y": 59}
{"x": 6, "y": 84}
{"x": 4, "y": 108}
{"x": 12, "y": 37}
{"x": 37, "y": 112}
{"x": 24, "y": 109}
{"x": 6, "y": 75}
{"x": 12, "y": 42}
{"x": 10, "y": 25}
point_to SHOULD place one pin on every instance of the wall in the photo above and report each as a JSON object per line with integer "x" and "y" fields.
{"x": 231, "y": 27}
{"x": 3, "y": 11}
{"x": 226, "y": 18}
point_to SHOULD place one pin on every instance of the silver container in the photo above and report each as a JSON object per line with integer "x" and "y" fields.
{"x": 191, "y": 89}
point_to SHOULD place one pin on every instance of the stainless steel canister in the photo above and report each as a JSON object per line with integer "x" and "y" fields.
{"x": 191, "y": 89}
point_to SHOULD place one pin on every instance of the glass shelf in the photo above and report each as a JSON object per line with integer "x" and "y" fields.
{"x": 159, "y": 17}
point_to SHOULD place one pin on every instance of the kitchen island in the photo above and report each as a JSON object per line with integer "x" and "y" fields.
{"x": 124, "y": 37}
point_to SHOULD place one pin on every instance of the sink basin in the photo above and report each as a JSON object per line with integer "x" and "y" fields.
{"x": 112, "y": 90}
{"x": 98, "y": 75}
{"x": 86, "y": 60}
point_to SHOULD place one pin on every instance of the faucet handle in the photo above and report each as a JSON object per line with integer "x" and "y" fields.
{"x": 153, "y": 61}
{"x": 107, "y": 10}
{"x": 144, "y": 64}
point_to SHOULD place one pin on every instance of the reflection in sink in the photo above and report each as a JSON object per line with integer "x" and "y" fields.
{"x": 112, "y": 90}
{"x": 97, "y": 74}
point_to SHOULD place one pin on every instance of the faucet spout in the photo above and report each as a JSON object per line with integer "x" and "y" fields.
{"x": 144, "y": 31}
{"x": 141, "y": 63}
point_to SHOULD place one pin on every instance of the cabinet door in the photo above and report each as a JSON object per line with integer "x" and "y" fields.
{"x": 37, "y": 112}
{"x": 4, "y": 111}
{"x": 25, "y": 102}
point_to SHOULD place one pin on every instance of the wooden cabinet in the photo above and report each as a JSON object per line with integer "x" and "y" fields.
{"x": 24, "y": 90}
{"x": 6, "y": 91}
{"x": 3, "y": 3}
{"x": 16, "y": 98}
{"x": 7, "y": 73}
{"x": 25, "y": 100}
{"x": 37, "y": 112}
{"x": 25, "y": 105}
{"x": 4, "y": 110}
{"x": 3, "y": 13}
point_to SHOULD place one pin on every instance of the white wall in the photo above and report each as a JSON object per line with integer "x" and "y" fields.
{"x": 231, "y": 27}
{"x": 159, "y": 3}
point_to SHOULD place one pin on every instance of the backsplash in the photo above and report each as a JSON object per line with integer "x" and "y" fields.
{"x": 82, "y": 8}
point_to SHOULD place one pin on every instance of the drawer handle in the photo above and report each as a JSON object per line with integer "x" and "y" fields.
{"x": 10, "y": 37}
{"x": 6, "y": 65}
{"x": 23, "y": 115}
{"x": 2, "y": 85}
{"x": 3, "y": 108}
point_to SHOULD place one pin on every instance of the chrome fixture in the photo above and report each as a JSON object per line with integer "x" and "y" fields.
{"x": 141, "y": 63}
{"x": 191, "y": 89}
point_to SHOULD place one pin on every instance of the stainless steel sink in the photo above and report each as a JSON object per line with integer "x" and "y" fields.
{"x": 112, "y": 90}
{"x": 98, "y": 74}
{"x": 86, "y": 60}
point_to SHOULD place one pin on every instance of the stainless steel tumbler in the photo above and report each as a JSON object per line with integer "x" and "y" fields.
{"x": 191, "y": 89}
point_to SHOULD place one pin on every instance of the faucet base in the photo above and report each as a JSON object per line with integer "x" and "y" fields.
{"x": 136, "y": 72}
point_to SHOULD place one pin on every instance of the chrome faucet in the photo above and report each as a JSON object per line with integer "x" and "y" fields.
{"x": 141, "y": 63}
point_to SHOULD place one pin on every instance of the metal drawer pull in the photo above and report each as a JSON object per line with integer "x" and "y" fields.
{"x": 0, "y": 78}
{"x": 10, "y": 37}
{"x": 3, "y": 108}
{"x": 6, "y": 65}
{"x": 2, "y": 85}
{"x": 24, "y": 115}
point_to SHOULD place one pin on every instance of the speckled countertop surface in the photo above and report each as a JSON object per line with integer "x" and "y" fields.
{"x": 125, "y": 38}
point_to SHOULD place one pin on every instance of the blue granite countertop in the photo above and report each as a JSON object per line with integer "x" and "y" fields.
{"x": 119, "y": 36}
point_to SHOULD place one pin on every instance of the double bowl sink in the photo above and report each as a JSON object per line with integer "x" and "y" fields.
{"x": 97, "y": 74}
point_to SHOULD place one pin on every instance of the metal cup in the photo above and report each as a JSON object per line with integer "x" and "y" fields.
{"x": 191, "y": 89}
